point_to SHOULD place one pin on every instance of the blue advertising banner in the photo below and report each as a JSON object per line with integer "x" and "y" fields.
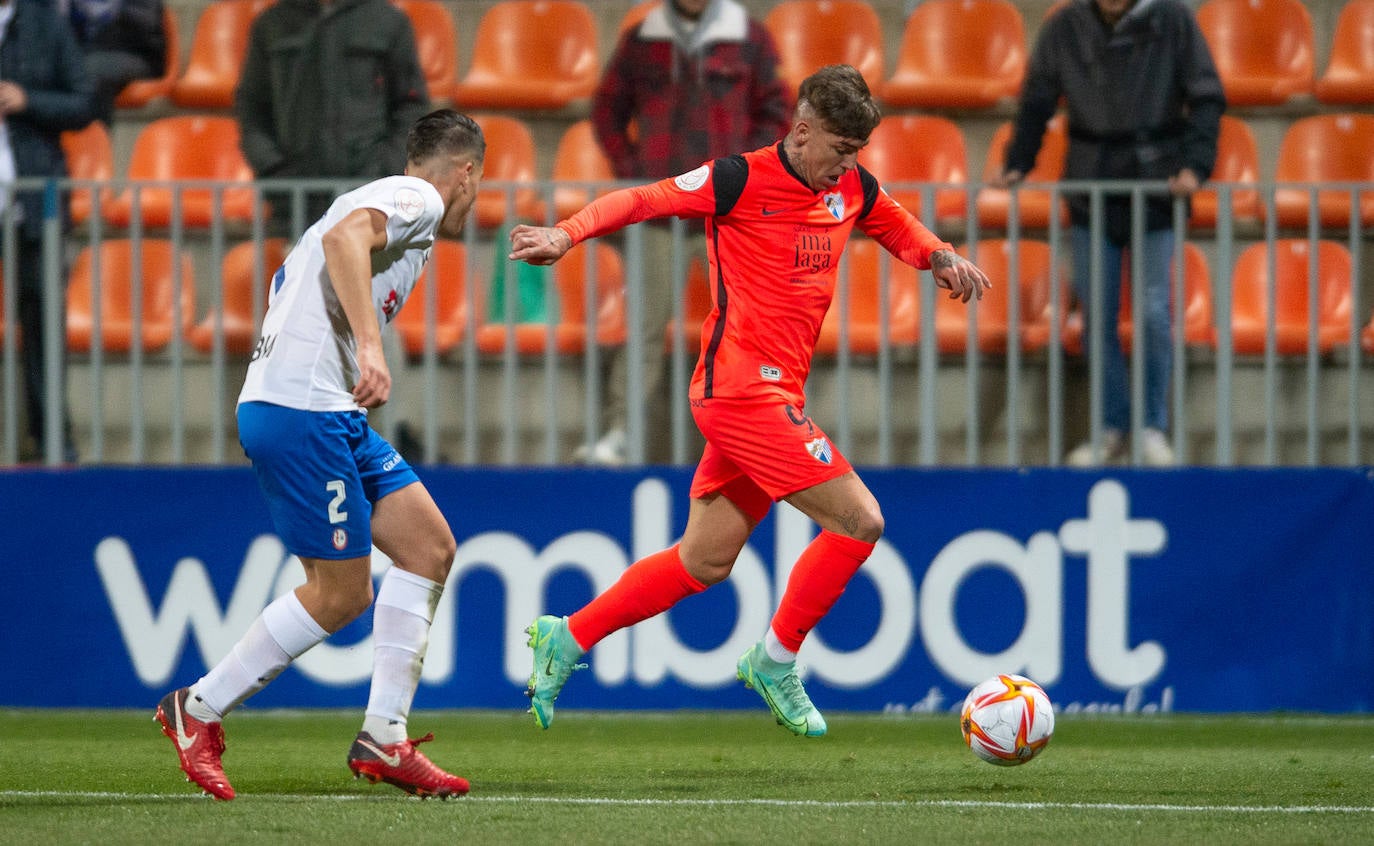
{"x": 1135, "y": 591}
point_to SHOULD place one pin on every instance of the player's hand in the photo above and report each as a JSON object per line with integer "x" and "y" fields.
{"x": 538, "y": 244}
{"x": 373, "y": 387}
{"x": 958, "y": 275}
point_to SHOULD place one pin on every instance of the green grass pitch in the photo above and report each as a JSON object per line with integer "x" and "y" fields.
{"x": 109, "y": 777}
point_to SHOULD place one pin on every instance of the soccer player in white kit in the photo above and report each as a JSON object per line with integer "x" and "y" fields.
{"x": 335, "y": 487}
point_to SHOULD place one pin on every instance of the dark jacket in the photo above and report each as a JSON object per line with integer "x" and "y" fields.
{"x": 136, "y": 27}
{"x": 1144, "y": 101}
{"x": 41, "y": 55}
{"x": 330, "y": 93}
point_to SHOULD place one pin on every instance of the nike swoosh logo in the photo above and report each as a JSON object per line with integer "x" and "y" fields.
{"x": 389, "y": 760}
{"x": 184, "y": 740}
{"x": 777, "y": 712}
{"x": 548, "y": 666}
{"x": 767, "y": 212}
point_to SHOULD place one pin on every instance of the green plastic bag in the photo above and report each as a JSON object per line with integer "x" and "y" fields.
{"x": 529, "y": 286}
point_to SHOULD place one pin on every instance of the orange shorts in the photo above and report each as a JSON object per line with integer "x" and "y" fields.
{"x": 759, "y": 451}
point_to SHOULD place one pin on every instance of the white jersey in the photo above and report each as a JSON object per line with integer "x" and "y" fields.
{"x": 307, "y": 355}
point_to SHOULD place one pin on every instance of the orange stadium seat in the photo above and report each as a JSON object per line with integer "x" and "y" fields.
{"x": 449, "y": 265}
{"x": 1237, "y": 161}
{"x": 218, "y": 46}
{"x": 813, "y": 33}
{"x": 89, "y": 155}
{"x": 141, "y": 92}
{"x": 578, "y": 159}
{"x": 510, "y": 159}
{"x": 532, "y": 54}
{"x": 864, "y": 325}
{"x": 959, "y": 54}
{"x": 1325, "y": 148}
{"x": 436, "y": 44}
{"x": 118, "y": 275}
{"x": 1262, "y": 49}
{"x": 239, "y": 280}
{"x": 637, "y": 13}
{"x": 1053, "y": 9}
{"x": 916, "y": 148}
{"x": 994, "y": 310}
{"x": 570, "y": 332}
{"x": 994, "y": 203}
{"x": 1349, "y": 76}
{"x": 1249, "y": 290}
{"x": 1367, "y": 336}
{"x": 186, "y": 147}
{"x": 1198, "y": 328}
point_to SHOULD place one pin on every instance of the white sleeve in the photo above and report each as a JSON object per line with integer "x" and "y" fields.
{"x": 412, "y": 207}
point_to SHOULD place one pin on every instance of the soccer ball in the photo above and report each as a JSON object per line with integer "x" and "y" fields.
{"x": 1007, "y": 720}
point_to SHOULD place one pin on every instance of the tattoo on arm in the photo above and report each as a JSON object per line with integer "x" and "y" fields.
{"x": 943, "y": 258}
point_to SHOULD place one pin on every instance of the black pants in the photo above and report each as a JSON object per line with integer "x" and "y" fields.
{"x": 31, "y": 325}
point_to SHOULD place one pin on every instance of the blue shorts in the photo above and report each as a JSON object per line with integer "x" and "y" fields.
{"x": 321, "y": 471}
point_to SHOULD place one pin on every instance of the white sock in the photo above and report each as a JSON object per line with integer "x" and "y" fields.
{"x": 283, "y": 632}
{"x": 775, "y": 650}
{"x": 400, "y": 632}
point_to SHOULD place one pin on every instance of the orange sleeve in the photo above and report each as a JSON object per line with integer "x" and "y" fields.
{"x": 901, "y": 233}
{"x": 627, "y": 206}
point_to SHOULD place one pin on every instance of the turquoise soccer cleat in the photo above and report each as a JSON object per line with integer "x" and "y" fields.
{"x": 782, "y": 690}
{"x": 555, "y": 658}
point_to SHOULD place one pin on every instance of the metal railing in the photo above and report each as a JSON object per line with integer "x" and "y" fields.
{"x": 903, "y": 405}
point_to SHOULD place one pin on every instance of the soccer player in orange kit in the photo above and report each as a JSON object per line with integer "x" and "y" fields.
{"x": 777, "y": 220}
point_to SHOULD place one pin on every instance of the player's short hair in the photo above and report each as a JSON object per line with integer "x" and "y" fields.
{"x": 445, "y": 132}
{"x": 840, "y": 98}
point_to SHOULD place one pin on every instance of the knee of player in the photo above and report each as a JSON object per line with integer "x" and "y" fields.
{"x": 868, "y": 524}
{"x": 342, "y": 608}
{"x": 445, "y": 547}
{"x": 708, "y": 567}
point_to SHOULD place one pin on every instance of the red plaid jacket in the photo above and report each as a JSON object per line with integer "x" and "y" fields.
{"x": 659, "y": 112}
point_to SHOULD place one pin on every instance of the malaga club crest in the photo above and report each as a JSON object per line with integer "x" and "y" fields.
{"x": 819, "y": 449}
{"x": 835, "y": 204}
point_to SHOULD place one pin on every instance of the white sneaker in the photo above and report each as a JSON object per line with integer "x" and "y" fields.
{"x": 1113, "y": 447}
{"x": 1155, "y": 449}
{"x": 607, "y": 452}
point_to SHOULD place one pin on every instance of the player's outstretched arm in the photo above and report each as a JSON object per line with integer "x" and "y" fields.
{"x": 960, "y": 276}
{"x": 538, "y": 244}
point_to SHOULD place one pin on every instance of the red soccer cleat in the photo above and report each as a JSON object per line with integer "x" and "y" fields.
{"x": 199, "y": 745}
{"x": 403, "y": 765}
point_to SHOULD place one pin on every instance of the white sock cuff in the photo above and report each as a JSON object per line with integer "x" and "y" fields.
{"x": 291, "y": 626}
{"x": 410, "y": 593}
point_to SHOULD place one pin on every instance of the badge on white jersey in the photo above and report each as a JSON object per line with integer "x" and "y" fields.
{"x": 693, "y": 179}
{"x": 409, "y": 204}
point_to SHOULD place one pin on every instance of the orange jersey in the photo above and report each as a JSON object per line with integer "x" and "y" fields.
{"x": 773, "y": 246}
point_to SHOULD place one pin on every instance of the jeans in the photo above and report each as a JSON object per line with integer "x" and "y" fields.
{"x": 1153, "y": 331}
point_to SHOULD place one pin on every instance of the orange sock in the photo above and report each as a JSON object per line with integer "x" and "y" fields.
{"x": 819, "y": 577}
{"x": 650, "y": 586}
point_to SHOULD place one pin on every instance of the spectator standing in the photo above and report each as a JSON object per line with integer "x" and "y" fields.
{"x": 693, "y": 81}
{"x": 44, "y": 90}
{"x": 329, "y": 89}
{"x": 124, "y": 40}
{"x": 1144, "y": 103}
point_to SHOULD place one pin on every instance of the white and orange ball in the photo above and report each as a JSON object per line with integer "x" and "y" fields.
{"x": 1007, "y": 720}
